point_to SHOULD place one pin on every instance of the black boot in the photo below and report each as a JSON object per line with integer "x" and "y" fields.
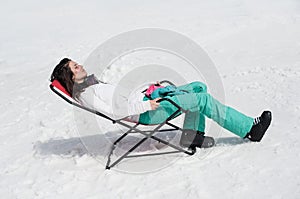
{"x": 191, "y": 139}
{"x": 260, "y": 126}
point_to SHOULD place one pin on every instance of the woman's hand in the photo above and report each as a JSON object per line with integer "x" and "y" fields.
{"x": 154, "y": 104}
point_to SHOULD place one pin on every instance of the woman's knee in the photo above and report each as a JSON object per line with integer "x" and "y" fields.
{"x": 199, "y": 87}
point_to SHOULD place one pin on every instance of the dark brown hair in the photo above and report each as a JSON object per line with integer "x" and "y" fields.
{"x": 64, "y": 75}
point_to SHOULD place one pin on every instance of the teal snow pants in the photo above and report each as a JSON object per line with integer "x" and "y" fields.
{"x": 200, "y": 104}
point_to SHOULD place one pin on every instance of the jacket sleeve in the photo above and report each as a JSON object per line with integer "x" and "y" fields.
{"x": 101, "y": 97}
{"x": 136, "y": 105}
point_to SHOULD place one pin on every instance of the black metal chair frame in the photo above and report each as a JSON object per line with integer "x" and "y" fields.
{"x": 134, "y": 129}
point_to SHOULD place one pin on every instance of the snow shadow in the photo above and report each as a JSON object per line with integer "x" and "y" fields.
{"x": 230, "y": 141}
{"x": 100, "y": 144}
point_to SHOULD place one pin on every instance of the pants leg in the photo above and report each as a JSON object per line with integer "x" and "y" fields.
{"x": 225, "y": 116}
{"x": 194, "y": 120}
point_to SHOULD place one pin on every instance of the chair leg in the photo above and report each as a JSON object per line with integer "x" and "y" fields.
{"x": 116, "y": 142}
{"x": 147, "y": 135}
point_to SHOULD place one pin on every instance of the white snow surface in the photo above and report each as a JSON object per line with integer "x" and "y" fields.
{"x": 255, "y": 46}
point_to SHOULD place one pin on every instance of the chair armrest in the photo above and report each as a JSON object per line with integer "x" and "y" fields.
{"x": 168, "y": 82}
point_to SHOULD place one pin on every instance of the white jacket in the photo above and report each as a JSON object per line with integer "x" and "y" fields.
{"x": 104, "y": 98}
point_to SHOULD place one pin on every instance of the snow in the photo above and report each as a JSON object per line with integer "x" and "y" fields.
{"x": 255, "y": 46}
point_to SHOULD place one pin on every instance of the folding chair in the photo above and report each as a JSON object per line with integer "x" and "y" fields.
{"x": 57, "y": 88}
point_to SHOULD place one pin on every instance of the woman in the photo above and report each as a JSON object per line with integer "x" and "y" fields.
{"x": 98, "y": 95}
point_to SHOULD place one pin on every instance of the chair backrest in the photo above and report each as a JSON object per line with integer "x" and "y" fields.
{"x": 58, "y": 85}
{"x": 57, "y": 88}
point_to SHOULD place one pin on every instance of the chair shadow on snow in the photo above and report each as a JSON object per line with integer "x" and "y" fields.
{"x": 100, "y": 144}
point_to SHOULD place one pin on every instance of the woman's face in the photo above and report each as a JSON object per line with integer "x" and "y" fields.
{"x": 78, "y": 71}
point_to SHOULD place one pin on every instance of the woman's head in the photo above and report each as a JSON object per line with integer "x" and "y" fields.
{"x": 67, "y": 72}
